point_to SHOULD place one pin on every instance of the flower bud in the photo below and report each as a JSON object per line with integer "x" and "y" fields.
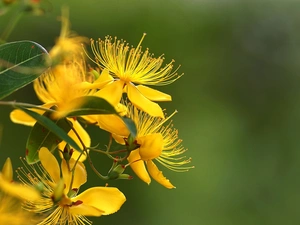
{"x": 131, "y": 143}
{"x": 116, "y": 172}
{"x": 67, "y": 153}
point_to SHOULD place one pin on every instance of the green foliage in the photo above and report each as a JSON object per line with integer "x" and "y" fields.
{"x": 94, "y": 105}
{"x": 20, "y": 63}
{"x": 90, "y": 105}
{"x": 49, "y": 133}
{"x": 50, "y": 126}
{"x": 43, "y": 137}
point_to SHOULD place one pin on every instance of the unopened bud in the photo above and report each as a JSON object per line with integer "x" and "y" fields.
{"x": 67, "y": 153}
{"x": 72, "y": 193}
{"x": 115, "y": 172}
{"x": 131, "y": 143}
{"x": 125, "y": 177}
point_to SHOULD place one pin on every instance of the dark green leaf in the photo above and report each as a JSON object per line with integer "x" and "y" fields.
{"x": 89, "y": 105}
{"x": 43, "y": 137}
{"x": 131, "y": 126}
{"x": 20, "y": 63}
{"x": 52, "y": 127}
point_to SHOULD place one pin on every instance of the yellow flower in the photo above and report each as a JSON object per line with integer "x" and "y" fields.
{"x": 158, "y": 143}
{"x": 58, "y": 87}
{"x": 11, "y": 196}
{"x": 130, "y": 66}
{"x": 60, "y": 201}
{"x": 62, "y": 83}
{"x": 12, "y": 188}
{"x": 67, "y": 44}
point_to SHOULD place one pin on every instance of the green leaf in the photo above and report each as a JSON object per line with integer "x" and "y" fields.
{"x": 43, "y": 137}
{"x": 89, "y": 105}
{"x": 131, "y": 126}
{"x": 20, "y": 63}
{"x": 52, "y": 127}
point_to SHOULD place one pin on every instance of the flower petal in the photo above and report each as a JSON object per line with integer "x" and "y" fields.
{"x": 7, "y": 170}
{"x": 104, "y": 78}
{"x": 152, "y": 94}
{"x": 151, "y": 146}
{"x": 112, "y": 92}
{"x": 101, "y": 81}
{"x": 18, "y": 190}
{"x": 138, "y": 167}
{"x": 50, "y": 164}
{"x": 80, "y": 175}
{"x": 113, "y": 124}
{"x": 20, "y": 117}
{"x": 106, "y": 199}
{"x": 141, "y": 102}
{"x": 157, "y": 175}
{"x": 84, "y": 136}
{"x": 119, "y": 139}
{"x": 85, "y": 210}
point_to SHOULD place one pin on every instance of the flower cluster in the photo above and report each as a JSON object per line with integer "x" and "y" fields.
{"x": 112, "y": 94}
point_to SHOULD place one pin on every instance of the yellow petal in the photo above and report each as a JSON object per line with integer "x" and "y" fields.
{"x": 85, "y": 210}
{"x": 157, "y": 175}
{"x": 18, "y": 190}
{"x": 20, "y": 117}
{"x": 102, "y": 80}
{"x": 141, "y": 102}
{"x": 50, "y": 164}
{"x": 92, "y": 119}
{"x": 151, "y": 146}
{"x": 113, "y": 124}
{"x": 138, "y": 166}
{"x": 80, "y": 175}
{"x": 7, "y": 170}
{"x": 112, "y": 92}
{"x": 119, "y": 139}
{"x": 153, "y": 94}
{"x": 66, "y": 108}
{"x": 84, "y": 136}
{"x": 106, "y": 199}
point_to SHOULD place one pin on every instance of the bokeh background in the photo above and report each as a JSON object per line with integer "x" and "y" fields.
{"x": 238, "y": 103}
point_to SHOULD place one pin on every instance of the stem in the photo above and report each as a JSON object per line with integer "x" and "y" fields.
{"x": 26, "y": 105}
{"x": 109, "y": 143}
{"x": 94, "y": 169}
{"x": 109, "y": 154}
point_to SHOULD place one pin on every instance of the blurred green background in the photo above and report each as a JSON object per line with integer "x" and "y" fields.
{"x": 238, "y": 103}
